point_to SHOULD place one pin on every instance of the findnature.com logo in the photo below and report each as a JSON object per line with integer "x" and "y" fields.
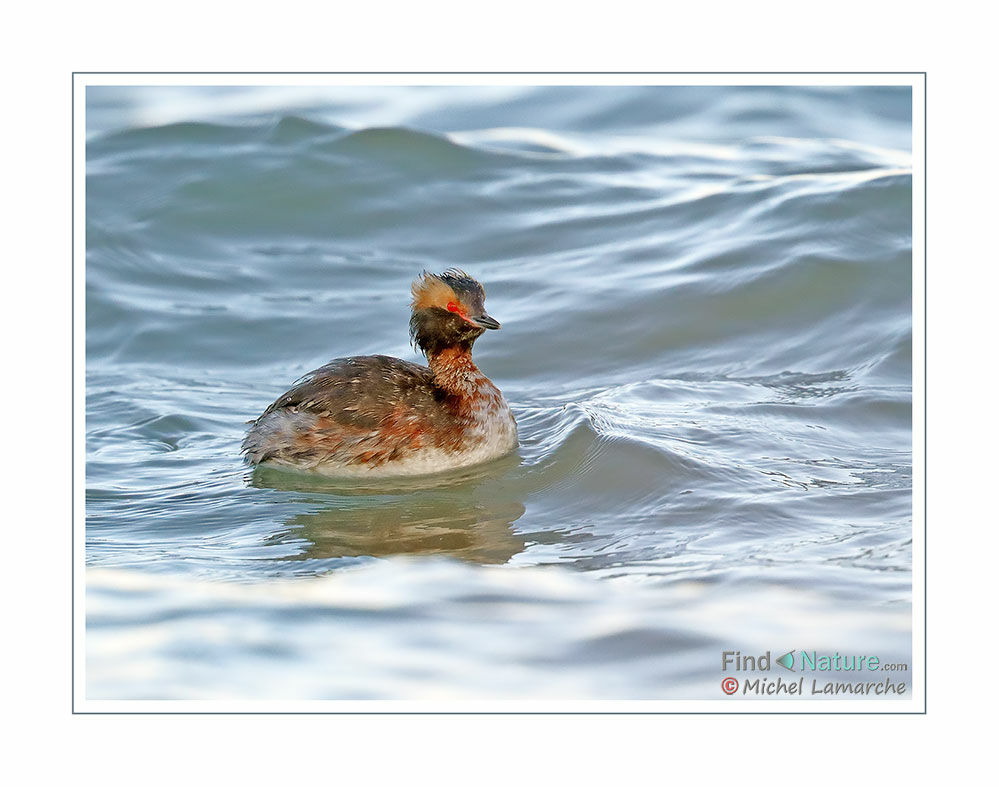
{"x": 810, "y": 661}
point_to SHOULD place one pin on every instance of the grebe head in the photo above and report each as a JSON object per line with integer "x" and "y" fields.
{"x": 448, "y": 311}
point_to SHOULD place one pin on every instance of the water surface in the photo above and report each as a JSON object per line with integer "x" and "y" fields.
{"x": 707, "y": 343}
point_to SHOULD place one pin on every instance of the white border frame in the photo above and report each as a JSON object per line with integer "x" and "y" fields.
{"x": 917, "y": 702}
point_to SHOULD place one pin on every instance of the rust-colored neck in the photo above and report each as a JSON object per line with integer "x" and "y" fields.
{"x": 454, "y": 371}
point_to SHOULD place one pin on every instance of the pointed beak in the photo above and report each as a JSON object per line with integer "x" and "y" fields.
{"x": 485, "y": 321}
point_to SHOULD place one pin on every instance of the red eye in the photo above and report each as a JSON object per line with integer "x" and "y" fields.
{"x": 453, "y": 307}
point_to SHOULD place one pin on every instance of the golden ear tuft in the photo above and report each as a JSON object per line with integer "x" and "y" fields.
{"x": 429, "y": 290}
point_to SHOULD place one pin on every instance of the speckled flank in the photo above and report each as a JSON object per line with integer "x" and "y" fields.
{"x": 376, "y": 415}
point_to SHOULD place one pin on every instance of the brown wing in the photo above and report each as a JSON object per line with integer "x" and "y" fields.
{"x": 359, "y": 391}
{"x": 368, "y": 409}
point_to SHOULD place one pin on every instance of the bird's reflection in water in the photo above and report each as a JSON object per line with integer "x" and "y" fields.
{"x": 466, "y": 515}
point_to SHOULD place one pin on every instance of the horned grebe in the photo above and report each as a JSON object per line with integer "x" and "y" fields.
{"x": 376, "y": 415}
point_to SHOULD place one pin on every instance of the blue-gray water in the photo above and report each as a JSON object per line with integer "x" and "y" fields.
{"x": 706, "y": 306}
